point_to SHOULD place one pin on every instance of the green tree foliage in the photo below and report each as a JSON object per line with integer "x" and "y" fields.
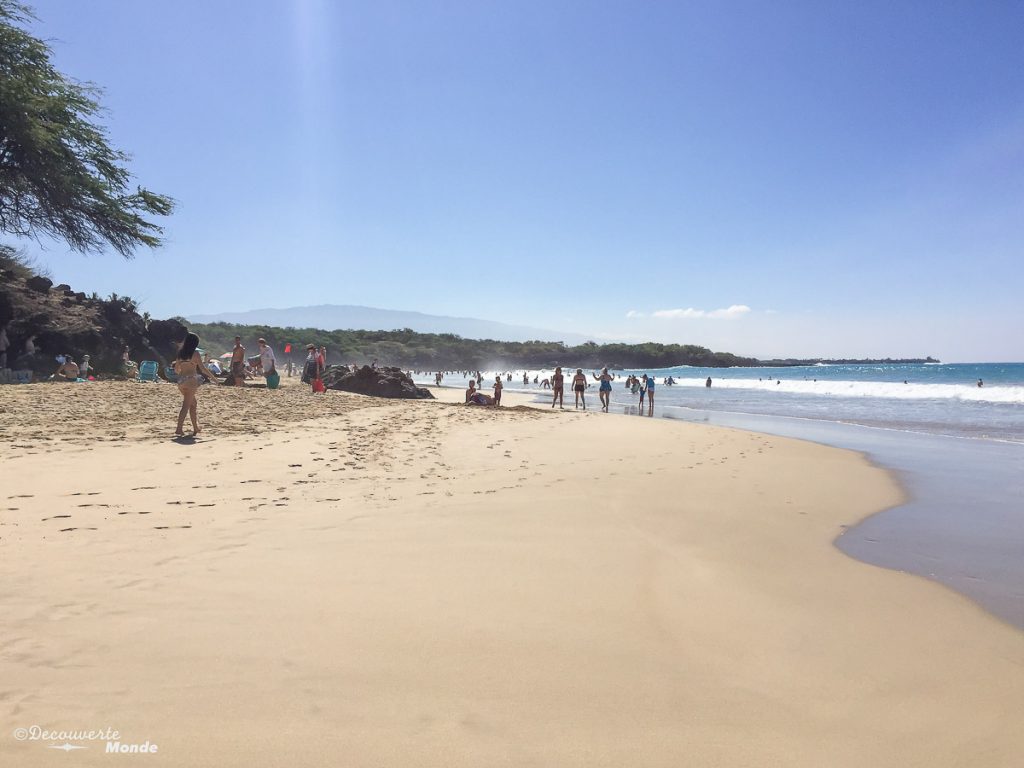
{"x": 445, "y": 351}
{"x": 58, "y": 175}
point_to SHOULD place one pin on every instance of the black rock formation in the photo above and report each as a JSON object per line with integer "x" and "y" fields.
{"x": 378, "y": 382}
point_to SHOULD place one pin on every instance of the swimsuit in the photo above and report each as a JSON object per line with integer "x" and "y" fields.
{"x": 606, "y": 386}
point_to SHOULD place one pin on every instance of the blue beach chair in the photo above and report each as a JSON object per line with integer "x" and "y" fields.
{"x": 170, "y": 374}
{"x": 148, "y": 369}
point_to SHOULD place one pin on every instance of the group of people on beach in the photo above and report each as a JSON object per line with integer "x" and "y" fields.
{"x": 192, "y": 371}
{"x": 644, "y": 386}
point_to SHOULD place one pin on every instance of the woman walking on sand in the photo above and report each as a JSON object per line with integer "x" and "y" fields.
{"x": 579, "y": 386}
{"x": 189, "y": 365}
{"x": 605, "y": 392}
{"x": 557, "y": 387}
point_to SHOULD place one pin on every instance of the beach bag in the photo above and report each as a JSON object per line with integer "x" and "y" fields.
{"x": 273, "y": 380}
{"x": 318, "y": 385}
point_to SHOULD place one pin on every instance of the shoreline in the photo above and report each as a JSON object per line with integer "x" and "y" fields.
{"x": 927, "y": 533}
{"x": 411, "y": 582}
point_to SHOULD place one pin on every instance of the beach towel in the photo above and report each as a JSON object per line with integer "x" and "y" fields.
{"x": 318, "y": 385}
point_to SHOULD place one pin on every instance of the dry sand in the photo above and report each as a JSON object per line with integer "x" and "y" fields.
{"x": 426, "y": 584}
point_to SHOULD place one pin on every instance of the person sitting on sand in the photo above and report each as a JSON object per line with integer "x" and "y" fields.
{"x": 189, "y": 367}
{"x": 67, "y": 371}
{"x": 605, "y": 392}
{"x": 476, "y": 397}
{"x": 579, "y": 386}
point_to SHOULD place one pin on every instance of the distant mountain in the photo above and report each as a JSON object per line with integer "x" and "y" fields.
{"x": 343, "y": 316}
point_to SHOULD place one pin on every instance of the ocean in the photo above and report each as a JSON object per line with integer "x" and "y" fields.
{"x": 929, "y": 398}
{"x": 957, "y": 449}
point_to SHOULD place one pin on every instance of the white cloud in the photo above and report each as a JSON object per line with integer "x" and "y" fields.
{"x": 736, "y": 310}
{"x": 634, "y": 313}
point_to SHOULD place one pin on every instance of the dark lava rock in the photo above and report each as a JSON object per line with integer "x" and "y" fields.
{"x": 378, "y": 382}
{"x": 39, "y": 284}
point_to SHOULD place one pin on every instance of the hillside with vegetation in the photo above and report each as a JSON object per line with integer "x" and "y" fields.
{"x": 445, "y": 351}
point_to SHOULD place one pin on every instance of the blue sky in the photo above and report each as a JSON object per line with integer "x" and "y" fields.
{"x": 847, "y": 177}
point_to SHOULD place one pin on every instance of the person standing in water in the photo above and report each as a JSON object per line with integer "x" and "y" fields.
{"x": 189, "y": 367}
{"x": 650, "y": 396}
{"x": 557, "y": 387}
{"x": 605, "y": 391}
{"x": 579, "y": 386}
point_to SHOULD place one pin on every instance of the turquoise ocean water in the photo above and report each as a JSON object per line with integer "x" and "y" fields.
{"x": 929, "y": 398}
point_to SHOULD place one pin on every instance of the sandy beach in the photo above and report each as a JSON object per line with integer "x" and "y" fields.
{"x": 340, "y": 580}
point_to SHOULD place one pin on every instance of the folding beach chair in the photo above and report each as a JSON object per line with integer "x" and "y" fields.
{"x": 148, "y": 369}
{"x": 170, "y": 374}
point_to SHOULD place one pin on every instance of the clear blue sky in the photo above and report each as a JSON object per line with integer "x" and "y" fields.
{"x": 850, "y": 173}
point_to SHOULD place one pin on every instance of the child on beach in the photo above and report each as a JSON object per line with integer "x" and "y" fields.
{"x": 497, "y": 390}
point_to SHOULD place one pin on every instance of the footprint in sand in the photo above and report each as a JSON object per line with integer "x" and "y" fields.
{"x": 56, "y": 517}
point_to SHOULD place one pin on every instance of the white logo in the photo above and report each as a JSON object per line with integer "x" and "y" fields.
{"x": 67, "y": 747}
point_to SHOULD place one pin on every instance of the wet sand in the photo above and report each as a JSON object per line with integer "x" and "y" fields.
{"x": 423, "y": 583}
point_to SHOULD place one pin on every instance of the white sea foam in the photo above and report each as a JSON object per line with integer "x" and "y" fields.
{"x": 882, "y": 389}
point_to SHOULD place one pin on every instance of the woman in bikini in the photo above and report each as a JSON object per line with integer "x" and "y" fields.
{"x": 189, "y": 366}
{"x": 579, "y": 386}
{"x": 557, "y": 387}
{"x": 605, "y": 392}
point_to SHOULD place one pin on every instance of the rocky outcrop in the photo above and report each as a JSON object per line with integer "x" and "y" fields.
{"x": 43, "y": 321}
{"x": 39, "y": 284}
{"x": 377, "y": 382}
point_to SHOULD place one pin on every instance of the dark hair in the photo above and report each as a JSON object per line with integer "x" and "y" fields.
{"x": 188, "y": 347}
